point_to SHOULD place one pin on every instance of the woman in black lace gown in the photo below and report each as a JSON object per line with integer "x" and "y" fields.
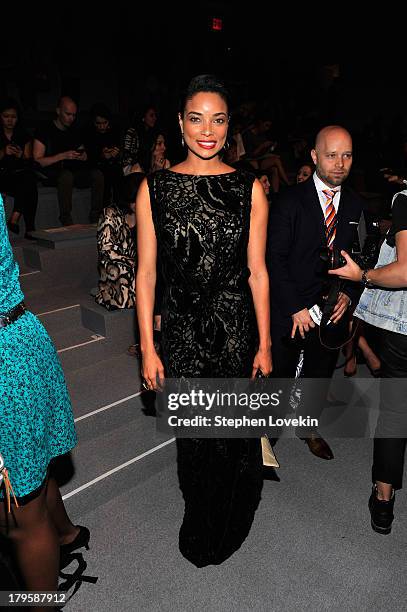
{"x": 208, "y": 223}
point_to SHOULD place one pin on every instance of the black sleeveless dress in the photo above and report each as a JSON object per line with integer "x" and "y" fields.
{"x": 209, "y": 331}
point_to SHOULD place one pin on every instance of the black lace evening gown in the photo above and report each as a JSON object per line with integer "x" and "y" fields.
{"x": 209, "y": 331}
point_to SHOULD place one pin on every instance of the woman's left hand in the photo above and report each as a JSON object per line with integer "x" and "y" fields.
{"x": 350, "y": 271}
{"x": 263, "y": 362}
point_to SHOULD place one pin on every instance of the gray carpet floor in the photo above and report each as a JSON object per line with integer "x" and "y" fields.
{"x": 310, "y": 548}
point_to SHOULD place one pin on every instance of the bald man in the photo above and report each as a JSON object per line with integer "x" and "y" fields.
{"x": 58, "y": 148}
{"x": 306, "y": 219}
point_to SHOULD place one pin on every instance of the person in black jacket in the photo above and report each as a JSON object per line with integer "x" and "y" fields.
{"x": 59, "y": 152}
{"x": 102, "y": 144}
{"x": 306, "y": 218}
{"x": 17, "y": 176}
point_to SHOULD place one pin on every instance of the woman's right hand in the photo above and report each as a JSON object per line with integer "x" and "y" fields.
{"x": 151, "y": 369}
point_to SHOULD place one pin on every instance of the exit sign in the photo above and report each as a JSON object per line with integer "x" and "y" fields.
{"x": 217, "y": 24}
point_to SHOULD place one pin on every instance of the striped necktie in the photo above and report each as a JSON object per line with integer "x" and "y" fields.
{"x": 330, "y": 216}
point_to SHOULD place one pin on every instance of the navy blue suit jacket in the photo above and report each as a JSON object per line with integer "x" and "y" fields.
{"x": 296, "y": 235}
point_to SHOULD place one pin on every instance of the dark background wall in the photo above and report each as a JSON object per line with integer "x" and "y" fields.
{"x": 263, "y": 51}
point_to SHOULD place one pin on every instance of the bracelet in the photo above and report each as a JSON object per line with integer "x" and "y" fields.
{"x": 366, "y": 282}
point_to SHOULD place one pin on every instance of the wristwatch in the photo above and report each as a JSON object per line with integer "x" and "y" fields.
{"x": 366, "y": 282}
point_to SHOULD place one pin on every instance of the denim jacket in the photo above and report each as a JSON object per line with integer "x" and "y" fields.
{"x": 385, "y": 308}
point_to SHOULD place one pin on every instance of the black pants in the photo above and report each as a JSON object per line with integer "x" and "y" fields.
{"x": 319, "y": 363}
{"x": 389, "y": 449}
{"x": 65, "y": 179}
{"x": 22, "y": 185}
{"x": 112, "y": 174}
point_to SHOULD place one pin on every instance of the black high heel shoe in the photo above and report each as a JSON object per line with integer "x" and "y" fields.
{"x": 81, "y": 540}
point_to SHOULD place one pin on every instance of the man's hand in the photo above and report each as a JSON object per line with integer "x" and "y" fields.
{"x": 340, "y": 307}
{"x": 71, "y": 155}
{"x": 13, "y": 150}
{"x": 394, "y": 178}
{"x": 19, "y": 151}
{"x": 109, "y": 152}
{"x": 301, "y": 321}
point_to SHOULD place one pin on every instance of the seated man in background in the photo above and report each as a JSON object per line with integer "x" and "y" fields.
{"x": 59, "y": 150}
{"x": 102, "y": 143}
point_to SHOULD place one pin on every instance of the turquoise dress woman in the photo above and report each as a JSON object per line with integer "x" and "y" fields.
{"x": 36, "y": 421}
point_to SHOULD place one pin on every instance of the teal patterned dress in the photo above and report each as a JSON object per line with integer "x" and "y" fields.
{"x": 36, "y": 421}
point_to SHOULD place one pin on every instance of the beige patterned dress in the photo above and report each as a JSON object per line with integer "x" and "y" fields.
{"x": 116, "y": 260}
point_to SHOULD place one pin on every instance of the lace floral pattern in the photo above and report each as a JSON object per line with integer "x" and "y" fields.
{"x": 117, "y": 261}
{"x": 202, "y": 225}
{"x": 208, "y": 330}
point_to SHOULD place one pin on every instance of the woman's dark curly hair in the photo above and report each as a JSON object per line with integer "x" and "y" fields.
{"x": 203, "y": 83}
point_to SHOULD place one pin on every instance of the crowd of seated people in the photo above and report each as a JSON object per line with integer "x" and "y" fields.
{"x": 60, "y": 153}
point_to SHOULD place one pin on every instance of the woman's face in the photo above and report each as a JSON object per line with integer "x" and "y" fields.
{"x": 101, "y": 124}
{"x": 264, "y": 180}
{"x": 204, "y": 124}
{"x": 150, "y": 117}
{"x": 9, "y": 118}
{"x": 159, "y": 148}
{"x": 304, "y": 173}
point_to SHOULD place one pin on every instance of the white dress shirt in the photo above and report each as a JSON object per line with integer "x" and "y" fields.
{"x": 320, "y": 186}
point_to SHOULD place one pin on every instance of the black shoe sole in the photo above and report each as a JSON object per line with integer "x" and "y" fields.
{"x": 382, "y": 530}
